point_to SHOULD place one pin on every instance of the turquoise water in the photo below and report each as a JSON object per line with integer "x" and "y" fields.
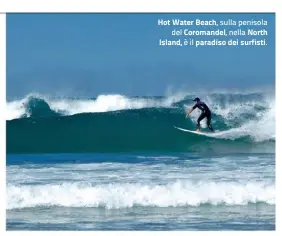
{"x": 115, "y": 123}
{"x": 141, "y": 191}
{"x": 117, "y": 163}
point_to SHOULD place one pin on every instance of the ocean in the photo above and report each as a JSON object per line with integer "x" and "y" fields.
{"x": 118, "y": 163}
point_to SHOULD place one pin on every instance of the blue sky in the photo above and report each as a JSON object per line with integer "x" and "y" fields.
{"x": 92, "y": 54}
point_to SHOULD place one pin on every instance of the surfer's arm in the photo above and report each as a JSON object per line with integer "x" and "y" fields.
{"x": 192, "y": 109}
{"x": 189, "y": 112}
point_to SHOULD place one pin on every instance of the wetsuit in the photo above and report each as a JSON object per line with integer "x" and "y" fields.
{"x": 206, "y": 112}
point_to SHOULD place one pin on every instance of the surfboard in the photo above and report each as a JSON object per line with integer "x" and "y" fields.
{"x": 194, "y": 132}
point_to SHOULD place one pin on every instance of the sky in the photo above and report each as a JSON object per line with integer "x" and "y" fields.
{"x": 91, "y": 54}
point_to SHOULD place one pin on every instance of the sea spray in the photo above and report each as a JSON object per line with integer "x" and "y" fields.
{"x": 244, "y": 122}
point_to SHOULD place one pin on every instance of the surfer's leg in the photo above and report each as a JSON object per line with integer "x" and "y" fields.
{"x": 209, "y": 122}
{"x": 202, "y": 116}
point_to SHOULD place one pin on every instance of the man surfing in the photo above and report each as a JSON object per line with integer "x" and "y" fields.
{"x": 206, "y": 113}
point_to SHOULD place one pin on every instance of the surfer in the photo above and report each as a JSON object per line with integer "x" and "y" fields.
{"x": 206, "y": 113}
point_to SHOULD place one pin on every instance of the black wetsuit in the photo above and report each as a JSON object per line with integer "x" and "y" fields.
{"x": 206, "y": 112}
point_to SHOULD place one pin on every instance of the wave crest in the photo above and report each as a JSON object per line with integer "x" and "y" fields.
{"x": 141, "y": 124}
{"x": 114, "y": 196}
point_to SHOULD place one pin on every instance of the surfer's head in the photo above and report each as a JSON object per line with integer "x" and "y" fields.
{"x": 196, "y": 100}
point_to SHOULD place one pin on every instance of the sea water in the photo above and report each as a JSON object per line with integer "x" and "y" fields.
{"x": 117, "y": 163}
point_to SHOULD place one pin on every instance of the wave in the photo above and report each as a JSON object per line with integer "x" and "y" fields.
{"x": 126, "y": 195}
{"x": 116, "y": 123}
{"x": 36, "y": 105}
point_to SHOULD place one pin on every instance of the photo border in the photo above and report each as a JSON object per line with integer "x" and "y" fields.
{"x": 176, "y": 6}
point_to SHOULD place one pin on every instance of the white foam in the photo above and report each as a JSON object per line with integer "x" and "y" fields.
{"x": 15, "y": 109}
{"x": 260, "y": 128}
{"x": 123, "y": 195}
{"x": 103, "y": 103}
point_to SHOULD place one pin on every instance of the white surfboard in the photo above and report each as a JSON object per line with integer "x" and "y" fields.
{"x": 226, "y": 134}
{"x": 194, "y": 132}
